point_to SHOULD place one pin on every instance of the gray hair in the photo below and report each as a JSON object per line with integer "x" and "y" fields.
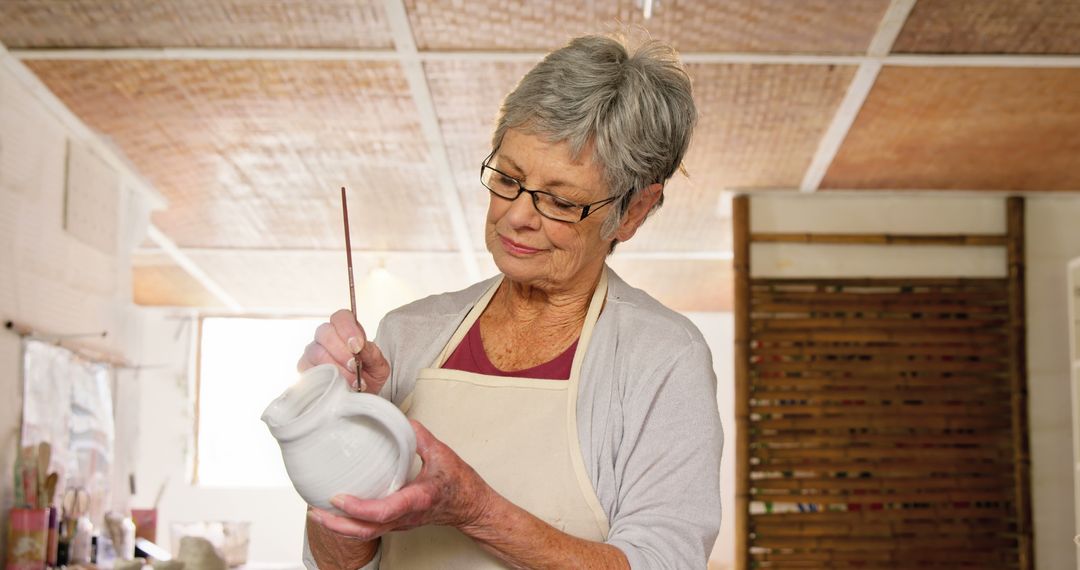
{"x": 633, "y": 103}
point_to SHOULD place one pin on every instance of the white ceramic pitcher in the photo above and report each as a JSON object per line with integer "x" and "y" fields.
{"x": 338, "y": 441}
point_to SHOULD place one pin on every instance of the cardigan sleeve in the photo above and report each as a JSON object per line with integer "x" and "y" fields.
{"x": 667, "y": 462}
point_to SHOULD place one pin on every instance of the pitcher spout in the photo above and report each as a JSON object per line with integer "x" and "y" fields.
{"x": 304, "y": 406}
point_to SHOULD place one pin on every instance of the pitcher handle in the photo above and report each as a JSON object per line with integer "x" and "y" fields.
{"x": 395, "y": 422}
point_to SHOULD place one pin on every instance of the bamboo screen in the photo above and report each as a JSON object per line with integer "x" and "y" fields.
{"x": 882, "y": 420}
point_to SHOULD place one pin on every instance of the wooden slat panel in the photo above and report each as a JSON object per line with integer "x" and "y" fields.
{"x": 768, "y": 324}
{"x": 884, "y": 334}
{"x": 824, "y": 437}
{"x": 862, "y": 517}
{"x": 962, "y": 298}
{"x": 822, "y": 349}
{"x": 879, "y": 239}
{"x": 854, "y": 421}
{"x": 849, "y": 397}
{"x": 876, "y": 381}
{"x": 853, "y": 544}
{"x": 878, "y": 483}
{"x": 920, "y": 496}
{"x": 884, "y": 284}
{"x": 888, "y": 401}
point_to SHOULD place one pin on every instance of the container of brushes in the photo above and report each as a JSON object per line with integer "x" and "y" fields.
{"x": 28, "y": 539}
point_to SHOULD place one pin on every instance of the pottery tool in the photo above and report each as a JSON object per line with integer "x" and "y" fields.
{"x": 352, "y": 286}
{"x": 76, "y": 503}
{"x": 160, "y": 493}
{"x": 44, "y": 456}
{"x": 50, "y": 488}
{"x": 30, "y": 478}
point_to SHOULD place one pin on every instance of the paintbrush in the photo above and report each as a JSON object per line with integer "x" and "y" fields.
{"x": 352, "y": 286}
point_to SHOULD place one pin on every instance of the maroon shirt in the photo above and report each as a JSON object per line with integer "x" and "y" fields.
{"x": 469, "y": 356}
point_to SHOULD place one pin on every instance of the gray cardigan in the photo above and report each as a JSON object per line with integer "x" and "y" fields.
{"x": 647, "y": 416}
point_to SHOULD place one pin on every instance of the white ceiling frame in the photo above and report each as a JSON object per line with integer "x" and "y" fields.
{"x": 401, "y": 31}
{"x": 304, "y": 54}
{"x": 193, "y": 269}
{"x": 880, "y": 46}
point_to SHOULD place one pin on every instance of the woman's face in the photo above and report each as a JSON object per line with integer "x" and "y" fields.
{"x": 529, "y": 248}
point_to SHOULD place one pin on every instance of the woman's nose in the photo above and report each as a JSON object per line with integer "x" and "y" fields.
{"x": 522, "y": 211}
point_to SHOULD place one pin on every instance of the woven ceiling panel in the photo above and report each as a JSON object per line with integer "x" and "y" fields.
{"x": 157, "y": 281}
{"x": 467, "y": 96}
{"x": 1001, "y": 26}
{"x": 760, "y": 124}
{"x": 193, "y": 23}
{"x": 252, "y": 153}
{"x": 964, "y": 128}
{"x": 819, "y": 26}
{"x": 759, "y": 127}
{"x": 682, "y": 285}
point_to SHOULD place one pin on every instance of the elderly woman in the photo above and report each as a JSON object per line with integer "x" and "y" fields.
{"x": 563, "y": 418}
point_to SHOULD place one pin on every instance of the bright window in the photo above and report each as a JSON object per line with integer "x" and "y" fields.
{"x": 244, "y": 364}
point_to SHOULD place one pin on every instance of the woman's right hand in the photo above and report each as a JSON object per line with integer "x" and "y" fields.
{"x": 337, "y": 342}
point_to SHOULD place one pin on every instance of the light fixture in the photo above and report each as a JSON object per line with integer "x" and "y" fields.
{"x": 646, "y": 7}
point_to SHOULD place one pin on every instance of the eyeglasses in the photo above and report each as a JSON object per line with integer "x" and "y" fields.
{"x": 549, "y": 205}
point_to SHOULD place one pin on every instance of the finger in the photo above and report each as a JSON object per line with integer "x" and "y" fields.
{"x": 404, "y": 502}
{"x": 348, "y": 329}
{"x": 371, "y": 356}
{"x": 315, "y": 354}
{"x": 425, "y": 442}
{"x": 374, "y": 367}
{"x": 346, "y": 526}
{"x": 326, "y": 335}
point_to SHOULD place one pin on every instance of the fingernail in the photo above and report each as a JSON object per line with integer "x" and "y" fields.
{"x": 363, "y": 385}
{"x": 354, "y": 344}
{"x": 338, "y": 501}
{"x": 351, "y": 365}
{"x": 314, "y": 516}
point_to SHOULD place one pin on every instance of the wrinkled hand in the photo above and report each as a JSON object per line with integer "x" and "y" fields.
{"x": 335, "y": 552}
{"x": 446, "y": 492}
{"x": 336, "y": 342}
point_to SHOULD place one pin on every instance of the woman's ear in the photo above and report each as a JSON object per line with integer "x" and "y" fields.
{"x": 640, "y": 207}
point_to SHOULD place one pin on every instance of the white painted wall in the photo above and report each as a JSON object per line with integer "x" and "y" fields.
{"x": 719, "y": 331}
{"x": 165, "y": 443}
{"x": 48, "y": 279}
{"x": 1053, "y": 238}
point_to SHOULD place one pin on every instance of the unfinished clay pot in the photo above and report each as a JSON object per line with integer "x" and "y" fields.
{"x": 338, "y": 441}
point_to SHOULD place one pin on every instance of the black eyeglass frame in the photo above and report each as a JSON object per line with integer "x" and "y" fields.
{"x": 586, "y": 209}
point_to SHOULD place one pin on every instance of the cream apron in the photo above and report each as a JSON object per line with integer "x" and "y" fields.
{"x": 519, "y": 434}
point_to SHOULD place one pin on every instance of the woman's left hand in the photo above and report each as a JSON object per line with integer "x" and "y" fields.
{"x": 446, "y": 492}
